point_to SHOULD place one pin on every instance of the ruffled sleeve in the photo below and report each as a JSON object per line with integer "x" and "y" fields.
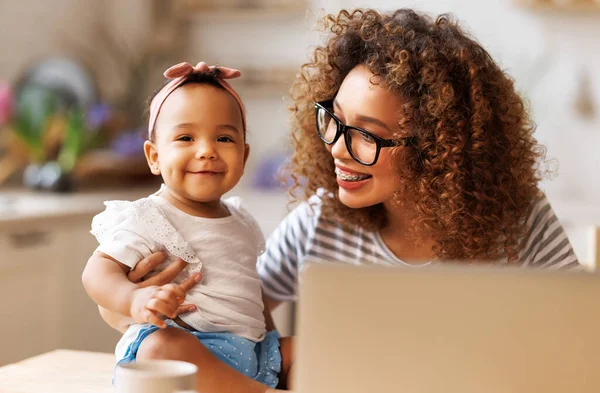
{"x": 121, "y": 235}
{"x": 131, "y": 231}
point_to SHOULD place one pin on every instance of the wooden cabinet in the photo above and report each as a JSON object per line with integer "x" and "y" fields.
{"x": 44, "y": 245}
{"x": 29, "y": 293}
{"x": 80, "y": 324}
{"x": 44, "y": 305}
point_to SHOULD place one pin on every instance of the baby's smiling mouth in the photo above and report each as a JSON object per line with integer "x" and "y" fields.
{"x": 206, "y": 172}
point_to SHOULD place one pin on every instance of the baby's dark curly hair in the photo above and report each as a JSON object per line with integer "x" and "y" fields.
{"x": 473, "y": 170}
{"x": 208, "y": 78}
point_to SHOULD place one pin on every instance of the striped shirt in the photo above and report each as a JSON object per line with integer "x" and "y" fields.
{"x": 306, "y": 235}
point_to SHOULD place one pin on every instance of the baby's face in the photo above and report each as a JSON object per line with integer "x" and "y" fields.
{"x": 199, "y": 147}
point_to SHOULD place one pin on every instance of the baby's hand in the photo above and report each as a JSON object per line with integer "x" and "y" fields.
{"x": 151, "y": 304}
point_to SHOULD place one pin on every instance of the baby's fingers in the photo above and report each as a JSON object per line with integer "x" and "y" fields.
{"x": 161, "y": 307}
{"x": 152, "y": 318}
{"x": 171, "y": 294}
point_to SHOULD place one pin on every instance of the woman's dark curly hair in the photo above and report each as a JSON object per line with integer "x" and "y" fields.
{"x": 473, "y": 172}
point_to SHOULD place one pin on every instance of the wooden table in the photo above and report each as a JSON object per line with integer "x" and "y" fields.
{"x": 60, "y": 371}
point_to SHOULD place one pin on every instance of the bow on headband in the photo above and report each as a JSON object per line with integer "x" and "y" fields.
{"x": 180, "y": 73}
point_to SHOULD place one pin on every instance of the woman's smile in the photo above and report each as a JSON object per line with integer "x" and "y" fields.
{"x": 349, "y": 179}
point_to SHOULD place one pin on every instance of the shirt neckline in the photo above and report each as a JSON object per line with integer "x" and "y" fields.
{"x": 163, "y": 202}
{"x": 383, "y": 247}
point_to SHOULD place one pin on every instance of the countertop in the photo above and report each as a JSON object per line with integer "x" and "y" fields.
{"x": 53, "y": 372}
{"x": 269, "y": 207}
{"x": 21, "y": 205}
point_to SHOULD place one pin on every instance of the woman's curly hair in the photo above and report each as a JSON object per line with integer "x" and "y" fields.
{"x": 473, "y": 171}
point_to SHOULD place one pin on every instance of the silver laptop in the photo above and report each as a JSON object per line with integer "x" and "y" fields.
{"x": 447, "y": 330}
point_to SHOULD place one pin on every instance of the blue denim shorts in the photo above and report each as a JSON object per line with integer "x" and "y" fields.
{"x": 260, "y": 361}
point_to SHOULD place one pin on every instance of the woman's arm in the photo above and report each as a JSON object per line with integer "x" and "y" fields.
{"x": 285, "y": 250}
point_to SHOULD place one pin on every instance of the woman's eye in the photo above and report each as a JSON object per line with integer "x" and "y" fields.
{"x": 185, "y": 138}
{"x": 225, "y": 139}
{"x": 367, "y": 138}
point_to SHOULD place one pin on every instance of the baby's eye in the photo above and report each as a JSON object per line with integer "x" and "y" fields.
{"x": 225, "y": 138}
{"x": 185, "y": 138}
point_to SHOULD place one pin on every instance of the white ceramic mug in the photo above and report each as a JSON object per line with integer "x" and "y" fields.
{"x": 155, "y": 376}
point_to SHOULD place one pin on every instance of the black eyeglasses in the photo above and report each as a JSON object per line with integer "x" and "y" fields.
{"x": 363, "y": 146}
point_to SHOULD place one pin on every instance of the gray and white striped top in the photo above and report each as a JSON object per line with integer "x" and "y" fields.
{"x": 304, "y": 234}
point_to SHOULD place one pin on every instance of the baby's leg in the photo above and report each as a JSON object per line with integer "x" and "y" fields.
{"x": 213, "y": 375}
{"x": 286, "y": 348}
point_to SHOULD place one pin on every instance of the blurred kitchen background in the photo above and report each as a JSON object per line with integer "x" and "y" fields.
{"x": 75, "y": 75}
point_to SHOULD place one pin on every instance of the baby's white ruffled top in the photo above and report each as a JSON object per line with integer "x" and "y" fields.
{"x": 225, "y": 250}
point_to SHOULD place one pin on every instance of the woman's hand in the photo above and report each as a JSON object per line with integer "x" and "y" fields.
{"x": 136, "y": 275}
{"x": 146, "y": 265}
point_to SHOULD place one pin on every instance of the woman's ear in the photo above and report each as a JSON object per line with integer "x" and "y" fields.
{"x": 152, "y": 157}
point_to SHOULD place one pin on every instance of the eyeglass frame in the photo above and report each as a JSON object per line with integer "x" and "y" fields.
{"x": 343, "y": 129}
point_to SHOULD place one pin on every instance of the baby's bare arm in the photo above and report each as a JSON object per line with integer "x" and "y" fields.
{"x": 115, "y": 320}
{"x": 121, "y": 322}
{"x": 105, "y": 280}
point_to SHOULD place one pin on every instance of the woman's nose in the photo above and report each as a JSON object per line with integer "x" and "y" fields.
{"x": 206, "y": 151}
{"x": 338, "y": 149}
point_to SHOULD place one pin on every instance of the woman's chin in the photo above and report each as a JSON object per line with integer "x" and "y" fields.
{"x": 353, "y": 201}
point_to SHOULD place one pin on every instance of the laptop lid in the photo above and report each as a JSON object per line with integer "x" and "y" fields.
{"x": 447, "y": 330}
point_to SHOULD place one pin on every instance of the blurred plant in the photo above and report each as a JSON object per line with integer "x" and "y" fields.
{"x": 7, "y": 103}
{"x": 129, "y": 143}
{"x": 45, "y": 137}
{"x": 6, "y": 109}
{"x": 270, "y": 173}
{"x": 50, "y": 138}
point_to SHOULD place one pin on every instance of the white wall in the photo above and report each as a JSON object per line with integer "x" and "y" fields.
{"x": 30, "y": 29}
{"x": 33, "y": 29}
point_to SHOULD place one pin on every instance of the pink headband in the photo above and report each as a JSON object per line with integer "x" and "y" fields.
{"x": 180, "y": 73}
